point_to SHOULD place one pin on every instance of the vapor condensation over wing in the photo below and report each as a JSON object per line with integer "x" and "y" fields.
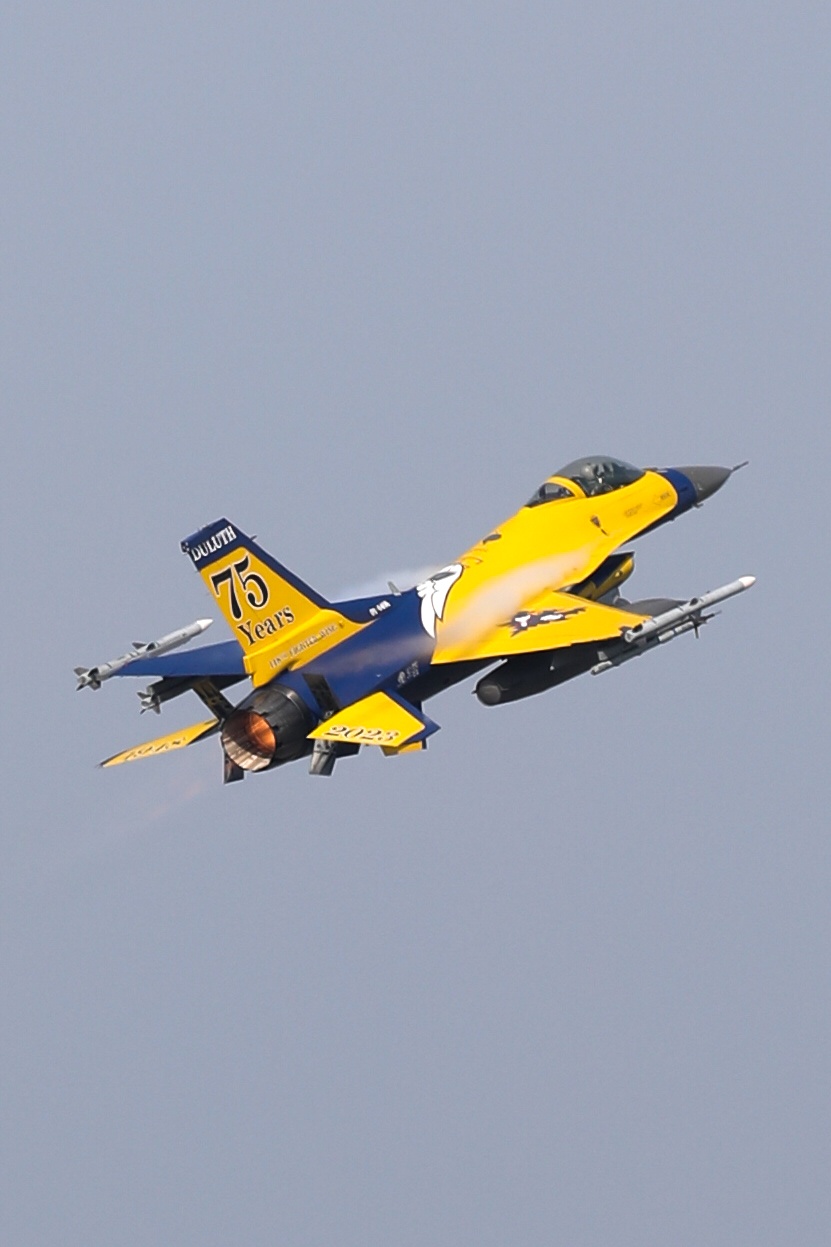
{"x": 500, "y": 598}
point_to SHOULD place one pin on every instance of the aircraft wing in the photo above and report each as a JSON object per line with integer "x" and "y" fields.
{"x": 222, "y": 659}
{"x": 165, "y": 744}
{"x": 551, "y": 620}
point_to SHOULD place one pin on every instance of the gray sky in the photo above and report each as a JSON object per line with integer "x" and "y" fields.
{"x": 359, "y": 276}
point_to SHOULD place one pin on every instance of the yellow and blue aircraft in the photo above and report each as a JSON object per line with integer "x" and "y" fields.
{"x": 534, "y": 603}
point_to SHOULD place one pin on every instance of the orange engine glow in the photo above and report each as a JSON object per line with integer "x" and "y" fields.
{"x": 249, "y": 740}
{"x": 260, "y": 733}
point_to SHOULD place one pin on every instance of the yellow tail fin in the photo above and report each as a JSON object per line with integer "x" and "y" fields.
{"x": 273, "y": 614}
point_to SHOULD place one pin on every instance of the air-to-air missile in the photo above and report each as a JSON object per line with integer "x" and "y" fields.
{"x": 684, "y": 617}
{"x": 93, "y": 677}
{"x": 535, "y": 673}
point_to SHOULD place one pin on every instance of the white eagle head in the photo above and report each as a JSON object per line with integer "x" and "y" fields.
{"x": 433, "y": 594}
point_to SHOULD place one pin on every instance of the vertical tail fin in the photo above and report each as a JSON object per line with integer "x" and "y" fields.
{"x": 259, "y": 597}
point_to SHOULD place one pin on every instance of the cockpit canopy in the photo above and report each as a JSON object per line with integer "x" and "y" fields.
{"x": 600, "y": 475}
{"x": 594, "y": 475}
{"x": 549, "y": 491}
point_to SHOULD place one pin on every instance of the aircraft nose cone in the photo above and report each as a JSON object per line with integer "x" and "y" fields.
{"x": 706, "y": 480}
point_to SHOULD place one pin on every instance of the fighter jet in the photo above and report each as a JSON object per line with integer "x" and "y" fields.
{"x": 532, "y": 604}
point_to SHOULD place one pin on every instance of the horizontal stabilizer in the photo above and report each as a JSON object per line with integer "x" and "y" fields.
{"x": 380, "y": 719}
{"x": 165, "y": 744}
{"x": 394, "y": 753}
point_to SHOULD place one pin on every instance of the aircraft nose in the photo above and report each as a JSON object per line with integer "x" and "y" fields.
{"x": 706, "y": 480}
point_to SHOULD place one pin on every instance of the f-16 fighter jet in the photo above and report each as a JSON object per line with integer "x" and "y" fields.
{"x": 534, "y": 603}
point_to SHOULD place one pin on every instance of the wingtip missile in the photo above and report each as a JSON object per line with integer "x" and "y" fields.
{"x": 92, "y": 677}
{"x": 172, "y": 640}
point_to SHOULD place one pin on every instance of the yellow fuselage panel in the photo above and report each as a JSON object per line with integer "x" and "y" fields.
{"x": 601, "y": 583}
{"x": 544, "y": 547}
